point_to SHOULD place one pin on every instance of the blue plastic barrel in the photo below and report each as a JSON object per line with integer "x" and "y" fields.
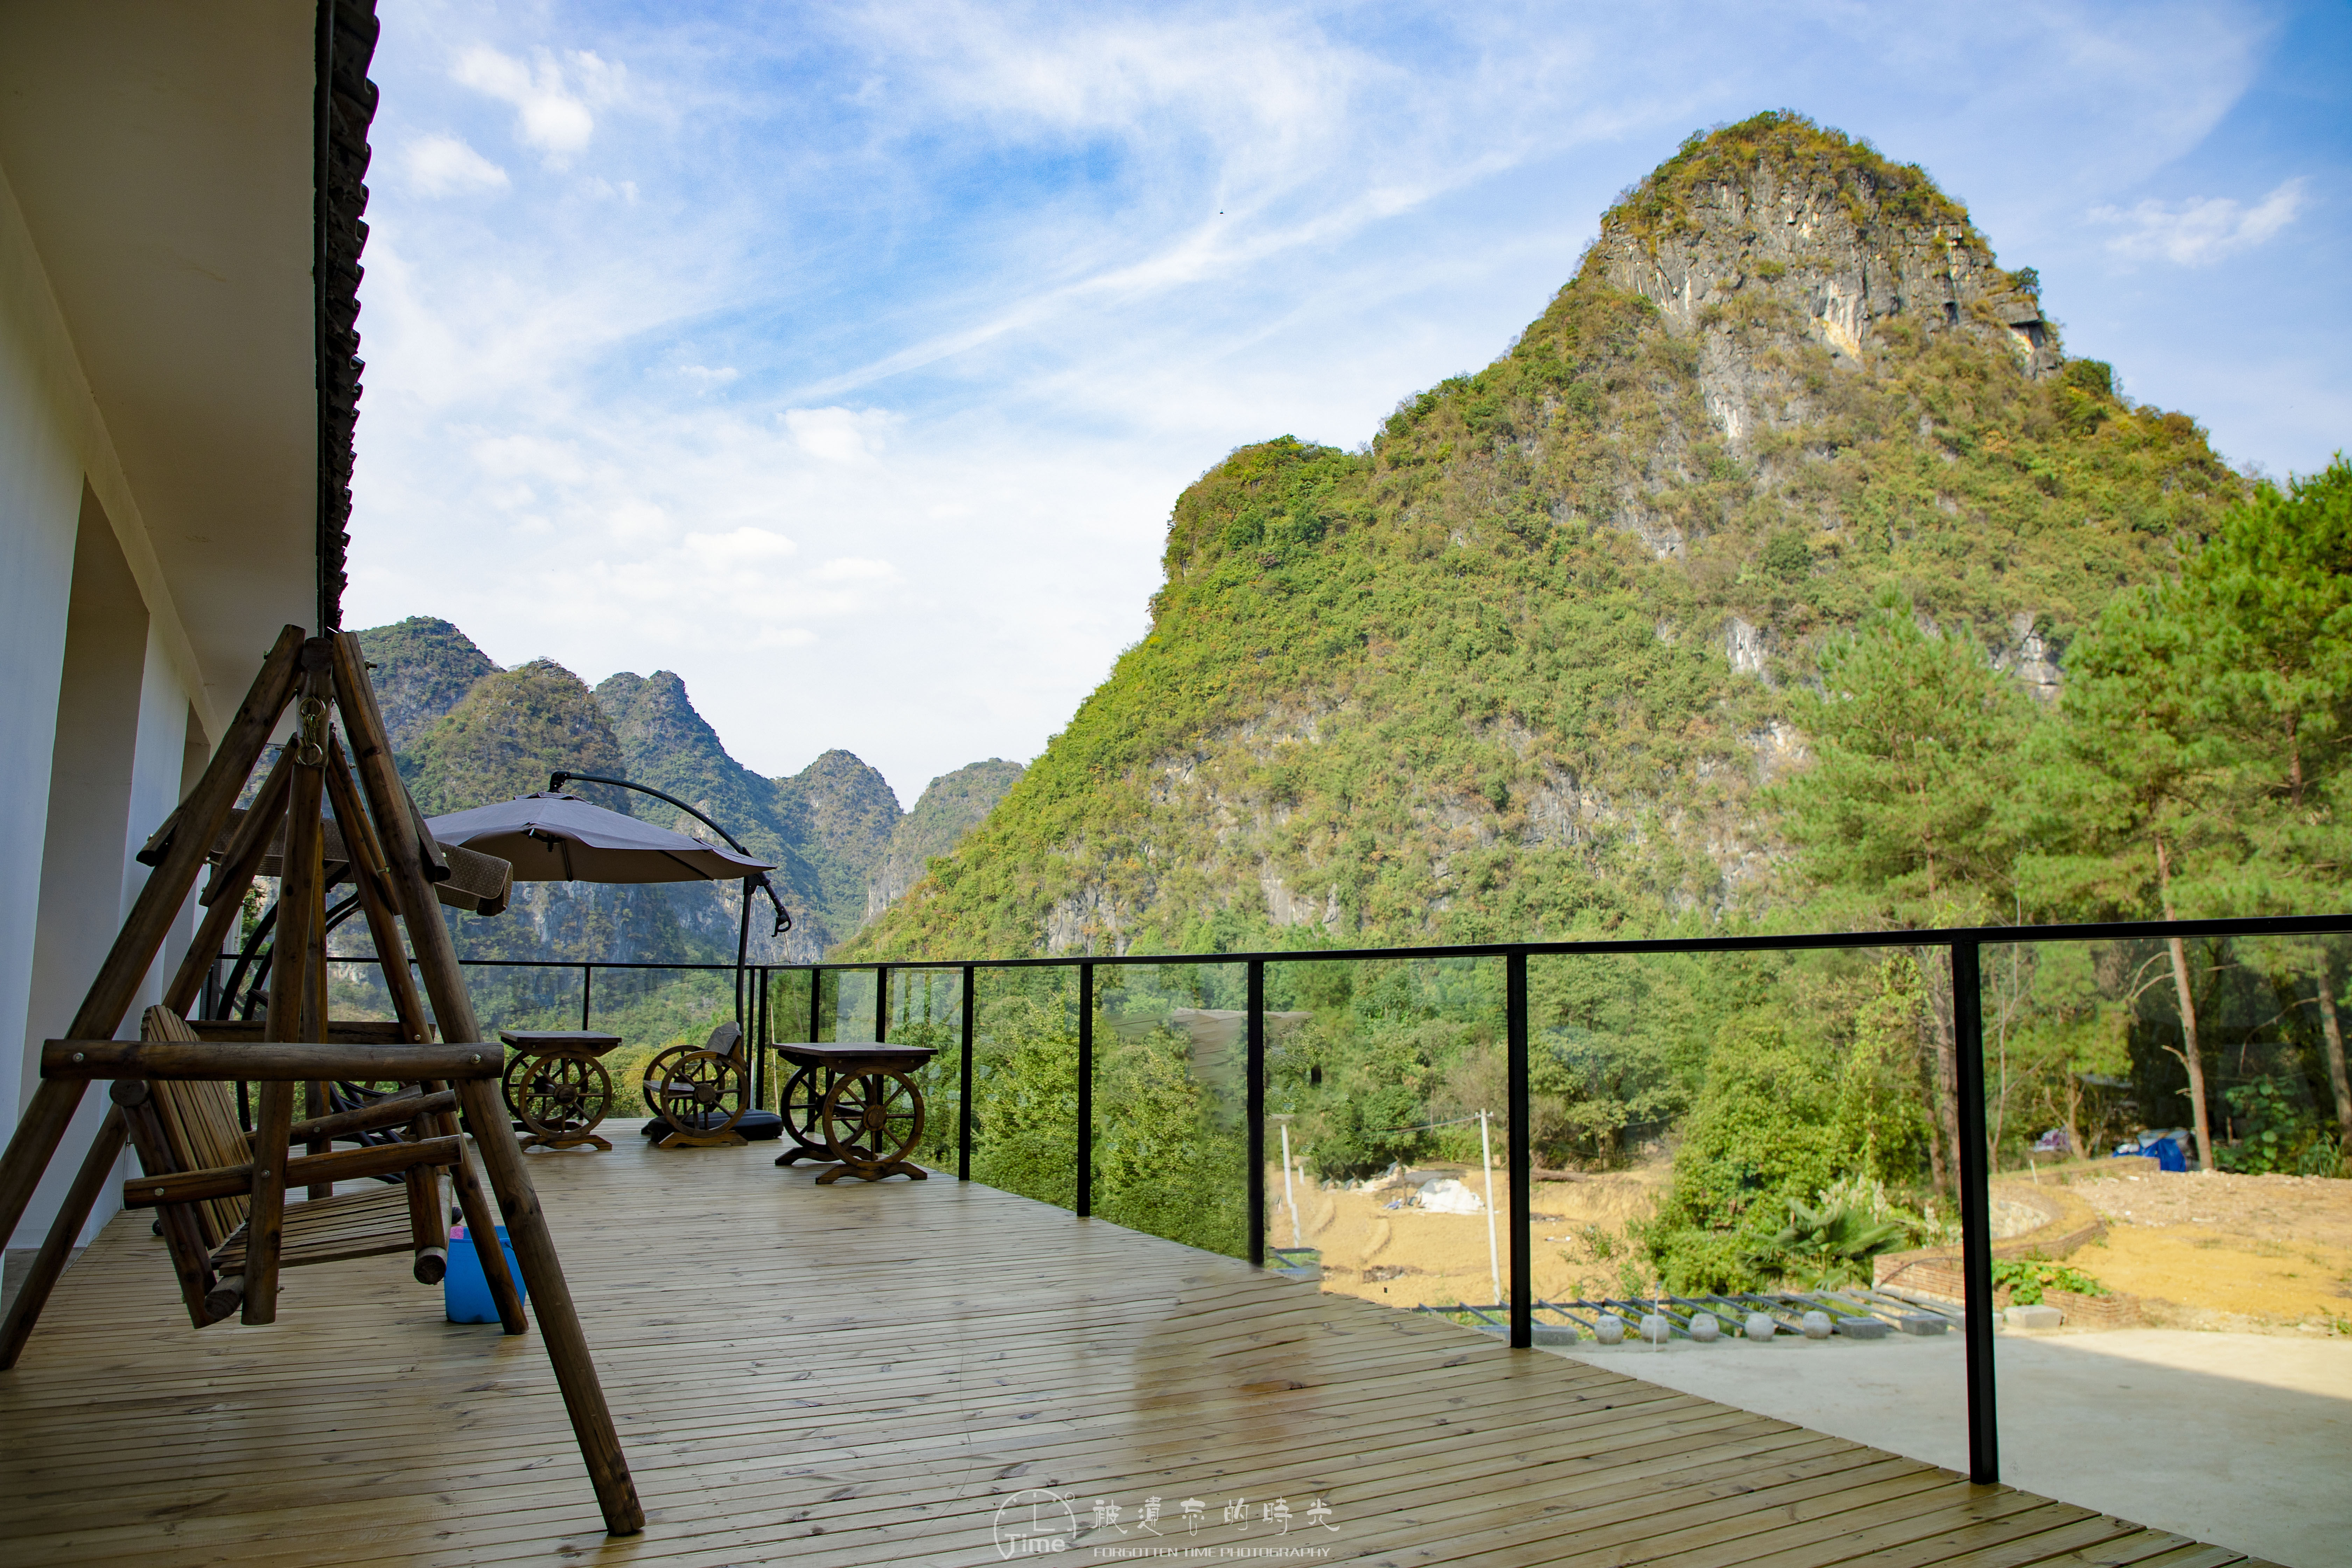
{"x": 465, "y": 1293}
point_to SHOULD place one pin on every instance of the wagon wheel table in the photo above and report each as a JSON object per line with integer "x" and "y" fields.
{"x": 556, "y": 1087}
{"x": 855, "y": 1103}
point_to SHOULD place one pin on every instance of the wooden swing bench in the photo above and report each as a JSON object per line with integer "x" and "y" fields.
{"x": 199, "y": 1165}
{"x": 220, "y": 1193}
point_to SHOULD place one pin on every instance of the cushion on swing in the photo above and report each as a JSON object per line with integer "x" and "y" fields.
{"x": 755, "y": 1126}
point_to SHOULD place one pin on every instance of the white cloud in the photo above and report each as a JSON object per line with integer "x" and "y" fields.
{"x": 549, "y": 113}
{"x": 2198, "y": 233}
{"x": 437, "y": 165}
{"x": 838, "y": 435}
{"x": 850, "y": 569}
{"x": 746, "y": 546}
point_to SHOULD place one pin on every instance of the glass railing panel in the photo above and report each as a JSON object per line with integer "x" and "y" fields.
{"x": 2172, "y": 1231}
{"x": 850, "y": 998}
{"x": 1388, "y": 1135}
{"x": 513, "y": 996}
{"x": 1170, "y": 1102}
{"x": 653, "y": 1010}
{"x": 926, "y": 1009}
{"x": 1728, "y": 1150}
{"x": 1024, "y": 1116}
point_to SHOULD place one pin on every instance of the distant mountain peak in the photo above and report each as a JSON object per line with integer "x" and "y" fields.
{"x": 1777, "y": 222}
{"x": 423, "y": 668}
{"x": 468, "y": 733}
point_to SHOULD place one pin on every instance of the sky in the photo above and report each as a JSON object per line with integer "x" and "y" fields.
{"x": 847, "y": 359}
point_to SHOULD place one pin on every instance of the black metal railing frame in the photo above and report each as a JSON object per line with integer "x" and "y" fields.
{"x": 1964, "y": 943}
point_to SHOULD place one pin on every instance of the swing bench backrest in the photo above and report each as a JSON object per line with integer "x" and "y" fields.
{"x": 200, "y": 1128}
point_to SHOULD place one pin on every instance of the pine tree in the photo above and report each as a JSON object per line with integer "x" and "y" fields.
{"x": 2130, "y": 798}
{"x": 1905, "y": 817}
{"x": 2272, "y": 589}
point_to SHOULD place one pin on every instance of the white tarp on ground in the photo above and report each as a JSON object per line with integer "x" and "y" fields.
{"x": 1446, "y": 1195}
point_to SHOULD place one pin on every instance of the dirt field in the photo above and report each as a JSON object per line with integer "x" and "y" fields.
{"x": 2248, "y": 1253}
{"x": 2227, "y": 1252}
{"x": 1406, "y": 1258}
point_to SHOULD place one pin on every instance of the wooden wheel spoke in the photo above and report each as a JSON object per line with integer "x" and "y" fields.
{"x": 698, "y": 1092}
{"x": 872, "y": 1119}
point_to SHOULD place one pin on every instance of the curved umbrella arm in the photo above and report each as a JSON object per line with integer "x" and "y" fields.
{"x": 558, "y": 779}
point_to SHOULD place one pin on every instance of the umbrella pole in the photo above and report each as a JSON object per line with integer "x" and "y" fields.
{"x": 742, "y": 949}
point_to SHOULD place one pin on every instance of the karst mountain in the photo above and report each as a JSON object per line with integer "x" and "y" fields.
{"x": 1520, "y": 665}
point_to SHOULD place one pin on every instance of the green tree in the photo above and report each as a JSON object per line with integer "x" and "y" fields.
{"x": 2272, "y": 590}
{"x": 1764, "y": 1133}
{"x": 2208, "y": 723}
{"x": 2128, "y": 793}
{"x": 1904, "y": 819}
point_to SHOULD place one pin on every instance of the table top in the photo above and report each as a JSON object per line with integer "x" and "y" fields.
{"x": 846, "y": 1053}
{"x": 586, "y": 1042}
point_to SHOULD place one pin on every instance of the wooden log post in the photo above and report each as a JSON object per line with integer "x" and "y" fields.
{"x": 429, "y": 1216}
{"x": 559, "y": 1320}
{"x": 534, "y": 1245}
{"x": 224, "y": 895}
{"x": 56, "y": 1247}
{"x": 264, "y": 1220}
{"x": 341, "y": 1164}
{"x": 293, "y": 976}
{"x": 202, "y": 816}
{"x": 291, "y": 1062}
{"x": 371, "y": 880}
{"x": 400, "y": 834}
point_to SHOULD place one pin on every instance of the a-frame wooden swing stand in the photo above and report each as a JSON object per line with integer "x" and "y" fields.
{"x": 393, "y": 862}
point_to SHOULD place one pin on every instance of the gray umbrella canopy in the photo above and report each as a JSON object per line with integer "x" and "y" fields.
{"x": 549, "y": 838}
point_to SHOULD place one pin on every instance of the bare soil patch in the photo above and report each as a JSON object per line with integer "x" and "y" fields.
{"x": 1409, "y": 1257}
{"x": 2223, "y": 1251}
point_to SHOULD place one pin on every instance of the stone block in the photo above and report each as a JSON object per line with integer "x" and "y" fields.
{"x": 2033, "y": 1317}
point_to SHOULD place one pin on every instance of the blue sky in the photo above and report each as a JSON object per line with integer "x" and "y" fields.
{"x": 847, "y": 359}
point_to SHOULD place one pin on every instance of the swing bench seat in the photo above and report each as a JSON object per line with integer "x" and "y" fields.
{"x": 198, "y": 1165}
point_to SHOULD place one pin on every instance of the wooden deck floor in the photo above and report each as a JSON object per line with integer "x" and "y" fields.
{"x": 853, "y": 1375}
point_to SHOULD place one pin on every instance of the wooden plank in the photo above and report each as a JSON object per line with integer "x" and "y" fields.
{"x": 288, "y": 1061}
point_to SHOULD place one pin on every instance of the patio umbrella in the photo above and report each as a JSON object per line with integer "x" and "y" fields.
{"x": 550, "y": 837}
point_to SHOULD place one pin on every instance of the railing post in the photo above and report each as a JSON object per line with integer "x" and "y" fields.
{"x": 1086, "y": 1172}
{"x": 1522, "y": 1151}
{"x": 1976, "y": 1215}
{"x": 881, "y": 1002}
{"x": 760, "y": 1045}
{"x": 963, "y": 1091}
{"x": 816, "y": 1002}
{"x": 1254, "y": 1097}
{"x": 587, "y": 989}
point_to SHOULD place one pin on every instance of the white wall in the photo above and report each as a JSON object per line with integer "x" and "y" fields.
{"x": 40, "y": 506}
{"x": 95, "y": 709}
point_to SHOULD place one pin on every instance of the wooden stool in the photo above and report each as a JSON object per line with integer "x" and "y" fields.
{"x": 557, "y": 1087}
{"x": 856, "y": 1104}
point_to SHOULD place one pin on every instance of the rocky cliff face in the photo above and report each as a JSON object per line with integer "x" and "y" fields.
{"x": 951, "y": 807}
{"x": 1524, "y": 665}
